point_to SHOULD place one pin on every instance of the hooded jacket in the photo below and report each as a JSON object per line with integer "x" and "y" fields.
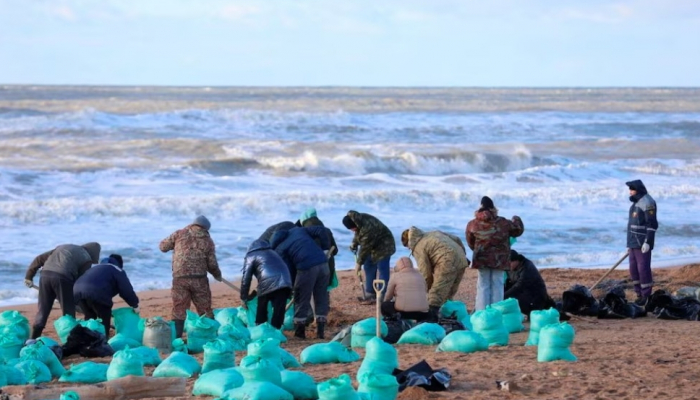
{"x": 374, "y": 238}
{"x": 68, "y": 260}
{"x": 194, "y": 253}
{"x": 298, "y": 248}
{"x": 642, "y": 223}
{"x": 104, "y": 281}
{"x": 488, "y": 235}
{"x": 407, "y": 285}
{"x": 438, "y": 254}
{"x": 267, "y": 266}
{"x": 526, "y": 285}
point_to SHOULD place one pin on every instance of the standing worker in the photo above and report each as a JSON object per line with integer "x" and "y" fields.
{"x": 193, "y": 256}
{"x": 641, "y": 230}
{"x": 310, "y": 218}
{"x": 60, "y": 268}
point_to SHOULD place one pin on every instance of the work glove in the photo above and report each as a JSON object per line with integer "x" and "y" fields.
{"x": 645, "y": 247}
{"x": 219, "y": 278}
{"x": 29, "y": 283}
{"x": 137, "y": 310}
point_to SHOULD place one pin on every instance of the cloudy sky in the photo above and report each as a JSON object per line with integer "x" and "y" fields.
{"x": 351, "y": 42}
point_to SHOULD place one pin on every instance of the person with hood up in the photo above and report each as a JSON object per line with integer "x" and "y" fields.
{"x": 310, "y": 218}
{"x": 488, "y": 235}
{"x": 376, "y": 246}
{"x": 194, "y": 254}
{"x": 641, "y": 231}
{"x": 441, "y": 259}
{"x": 274, "y": 281}
{"x": 525, "y": 284}
{"x": 94, "y": 291}
{"x": 309, "y": 268}
{"x": 406, "y": 293}
{"x": 60, "y": 268}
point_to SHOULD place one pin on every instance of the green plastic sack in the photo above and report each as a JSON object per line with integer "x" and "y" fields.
{"x": 227, "y": 316}
{"x": 364, "y": 330}
{"x": 238, "y": 336}
{"x": 200, "y": 330}
{"x": 179, "y": 345}
{"x": 10, "y": 346}
{"x": 38, "y": 351}
{"x": 13, "y": 322}
{"x": 463, "y": 342}
{"x": 379, "y": 386}
{"x": 47, "y": 341}
{"x": 512, "y": 317}
{"x": 334, "y": 282}
{"x": 34, "y": 371}
{"x": 148, "y": 355}
{"x": 265, "y": 331}
{"x": 218, "y": 354}
{"x": 94, "y": 324}
{"x": 380, "y": 358}
{"x": 538, "y": 320}
{"x": 288, "y": 360}
{"x": 120, "y": 342}
{"x": 299, "y": 384}
{"x": 124, "y": 363}
{"x": 426, "y": 333}
{"x": 554, "y": 343}
{"x": 63, "y": 326}
{"x": 13, "y": 375}
{"x": 288, "y": 324}
{"x": 258, "y": 391}
{"x": 87, "y": 372}
{"x": 339, "y": 388}
{"x": 177, "y": 365}
{"x": 456, "y": 309}
{"x": 216, "y": 382}
{"x": 256, "y": 369}
{"x": 70, "y": 395}
{"x": 328, "y": 353}
{"x": 128, "y": 323}
{"x": 489, "y": 324}
{"x": 247, "y": 316}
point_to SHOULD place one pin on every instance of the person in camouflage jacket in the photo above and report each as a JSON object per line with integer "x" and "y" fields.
{"x": 488, "y": 235}
{"x": 376, "y": 246}
{"x": 193, "y": 256}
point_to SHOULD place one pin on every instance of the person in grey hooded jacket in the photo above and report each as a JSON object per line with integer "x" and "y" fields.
{"x": 274, "y": 281}
{"x": 60, "y": 268}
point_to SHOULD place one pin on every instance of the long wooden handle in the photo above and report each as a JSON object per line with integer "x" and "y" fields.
{"x": 231, "y": 285}
{"x": 610, "y": 270}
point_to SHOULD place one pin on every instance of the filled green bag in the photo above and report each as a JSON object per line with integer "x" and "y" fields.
{"x": 288, "y": 324}
{"x": 463, "y": 342}
{"x": 328, "y": 353}
{"x": 538, "y": 320}
{"x": 554, "y": 343}
{"x": 246, "y": 317}
{"x": 87, "y": 372}
{"x": 511, "y": 314}
{"x": 288, "y": 360}
{"x": 128, "y": 323}
{"x": 63, "y": 326}
{"x": 179, "y": 345}
{"x": 216, "y": 382}
{"x": 237, "y": 335}
{"x": 47, "y": 341}
{"x": 34, "y": 371}
{"x": 120, "y": 342}
{"x": 265, "y": 331}
{"x": 200, "y": 330}
{"x": 489, "y": 324}
{"x": 456, "y": 309}
{"x": 258, "y": 391}
{"x": 70, "y": 395}
{"x": 177, "y": 365}
{"x": 218, "y": 354}
{"x": 426, "y": 333}
{"x": 379, "y": 386}
{"x": 256, "y": 369}
{"x": 93, "y": 324}
{"x": 10, "y": 346}
{"x": 148, "y": 355}
{"x": 227, "y": 316}
{"x": 13, "y": 376}
{"x": 124, "y": 363}
{"x": 380, "y": 358}
{"x": 364, "y": 330}
{"x": 299, "y": 384}
{"x": 38, "y": 351}
{"x": 13, "y": 322}
{"x": 339, "y": 388}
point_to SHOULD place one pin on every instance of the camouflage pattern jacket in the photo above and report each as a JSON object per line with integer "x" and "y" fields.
{"x": 488, "y": 235}
{"x": 437, "y": 254}
{"x": 374, "y": 238}
{"x": 193, "y": 253}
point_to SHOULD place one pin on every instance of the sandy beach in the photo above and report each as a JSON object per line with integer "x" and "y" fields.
{"x": 617, "y": 359}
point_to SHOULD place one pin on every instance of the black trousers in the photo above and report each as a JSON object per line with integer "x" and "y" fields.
{"x": 278, "y": 298}
{"x": 389, "y": 310}
{"x": 52, "y": 286}
{"x": 93, "y": 310}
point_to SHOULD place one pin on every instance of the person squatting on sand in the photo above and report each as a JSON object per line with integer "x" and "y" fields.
{"x": 525, "y": 284}
{"x": 441, "y": 259}
{"x": 60, "y": 268}
{"x": 376, "y": 246}
{"x": 406, "y": 293}
{"x": 274, "y": 281}
{"x": 308, "y": 266}
{"x": 94, "y": 290}
{"x": 194, "y": 255}
{"x": 641, "y": 230}
{"x": 310, "y": 218}
{"x": 488, "y": 235}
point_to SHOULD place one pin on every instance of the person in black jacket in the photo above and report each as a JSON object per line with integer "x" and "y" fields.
{"x": 310, "y": 218}
{"x": 280, "y": 226}
{"x": 641, "y": 232}
{"x": 525, "y": 284}
{"x": 274, "y": 281}
{"x": 308, "y": 264}
{"x": 94, "y": 290}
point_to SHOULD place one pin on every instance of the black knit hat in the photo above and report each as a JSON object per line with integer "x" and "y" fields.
{"x": 486, "y": 202}
{"x": 118, "y": 259}
{"x": 348, "y": 222}
{"x": 515, "y": 256}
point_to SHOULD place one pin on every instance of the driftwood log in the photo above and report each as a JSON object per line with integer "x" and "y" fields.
{"x": 130, "y": 387}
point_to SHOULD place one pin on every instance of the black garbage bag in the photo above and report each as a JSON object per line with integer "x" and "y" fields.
{"x": 451, "y": 324}
{"x": 87, "y": 343}
{"x": 686, "y": 308}
{"x": 615, "y": 306}
{"x": 397, "y": 327}
{"x": 635, "y": 311}
{"x": 421, "y": 374}
{"x": 658, "y": 300}
{"x": 579, "y": 301}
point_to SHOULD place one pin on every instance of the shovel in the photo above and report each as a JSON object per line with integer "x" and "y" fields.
{"x": 378, "y": 285}
{"x": 359, "y": 276}
{"x": 610, "y": 270}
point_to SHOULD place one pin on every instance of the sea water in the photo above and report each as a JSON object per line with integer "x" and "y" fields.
{"x": 127, "y": 166}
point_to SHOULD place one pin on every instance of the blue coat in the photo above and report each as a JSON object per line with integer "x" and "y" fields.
{"x": 642, "y": 223}
{"x": 268, "y": 268}
{"x": 298, "y": 248}
{"x": 102, "y": 282}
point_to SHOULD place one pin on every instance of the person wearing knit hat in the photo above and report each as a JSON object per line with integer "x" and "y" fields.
{"x": 406, "y": 293}
{"x": 203, "y": 222}
{"x": 525, "y": 284}
{"x": 488, "y": 236}
{"x": 310, "y": 218}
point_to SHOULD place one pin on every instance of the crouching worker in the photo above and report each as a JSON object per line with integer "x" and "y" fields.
{"x": 274, "y": 281}
{"x": 406, "y": 293}
{"x": 525, "y": 284}
{"x": 94, "y": 290}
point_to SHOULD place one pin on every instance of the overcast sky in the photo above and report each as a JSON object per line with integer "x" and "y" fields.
{"x": 351, "y": 42}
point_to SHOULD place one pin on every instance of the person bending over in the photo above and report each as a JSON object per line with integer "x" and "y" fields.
{"x": 525, "y": 284}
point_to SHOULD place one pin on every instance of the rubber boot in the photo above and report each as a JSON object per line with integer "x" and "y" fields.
{"x": 36, "y": 332}
{"x": 300, "y": 331}
{"x": 179, "y": 327}
{"x": 320, "y": 330}
{"x": 433, "y": 314}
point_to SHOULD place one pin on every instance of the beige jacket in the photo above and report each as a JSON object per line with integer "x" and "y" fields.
{"x": 408, "y": 287}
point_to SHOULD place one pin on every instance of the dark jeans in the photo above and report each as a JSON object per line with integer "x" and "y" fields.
{"x": 278, "y": 298}
{"x": 371, "y": 269}
{"x": 52, "y": 286}
{"x": 640, "y": 272}
{"x": 389, "y": 310}
{"x": 93, "y": 310}
{"x": 312, "y": 281}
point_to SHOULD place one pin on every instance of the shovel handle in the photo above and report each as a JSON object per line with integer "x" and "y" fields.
{"x": 378, "y": 285}
{"x": 610, "y": 270}
{"x": 231, "y": 285}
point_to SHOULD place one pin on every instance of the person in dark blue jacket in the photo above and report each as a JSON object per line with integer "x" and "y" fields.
{"x": 641, "y": 232}
{"x": 274, "y": 281}
{"x": 309, "y": 266}
{"x": 94, "y": 290}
